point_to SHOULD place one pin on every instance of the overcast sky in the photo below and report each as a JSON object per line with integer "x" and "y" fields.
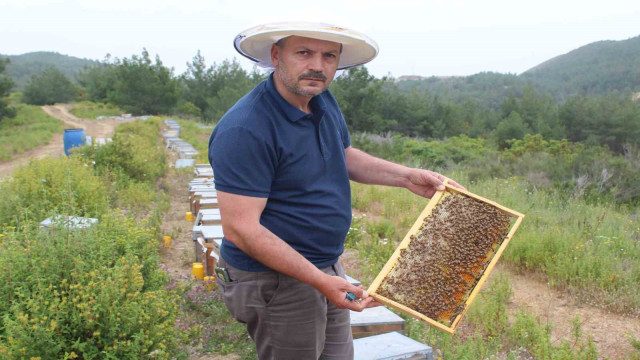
{"x": 429, "y": 37}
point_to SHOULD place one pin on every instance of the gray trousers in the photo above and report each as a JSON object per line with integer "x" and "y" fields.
{"x": 286, "y": 318}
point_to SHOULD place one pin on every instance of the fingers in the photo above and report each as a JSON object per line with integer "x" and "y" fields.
{"x": 426, "y": 182}
{"x": 434, "y": 179}
{"x": 361, "y": 304}
{"x": 373, "y": 303}
{"x": 453, "y": 183}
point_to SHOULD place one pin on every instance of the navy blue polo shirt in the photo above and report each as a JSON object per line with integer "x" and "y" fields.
{"x": 265, "y": 147}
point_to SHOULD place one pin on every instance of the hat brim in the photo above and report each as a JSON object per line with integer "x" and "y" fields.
{"x": 255, "y": 43}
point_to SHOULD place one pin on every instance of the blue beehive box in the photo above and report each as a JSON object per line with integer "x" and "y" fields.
{"x": 391, "y": 346}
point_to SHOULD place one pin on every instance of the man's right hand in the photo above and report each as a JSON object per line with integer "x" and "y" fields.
{"x": 335, "y": 289}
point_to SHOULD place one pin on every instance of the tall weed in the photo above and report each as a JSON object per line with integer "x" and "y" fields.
{"x": 94, "y": 292}
{"x": 52, "y": 186}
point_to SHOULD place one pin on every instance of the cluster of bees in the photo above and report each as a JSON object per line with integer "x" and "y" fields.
{"x": 436, "y": 273}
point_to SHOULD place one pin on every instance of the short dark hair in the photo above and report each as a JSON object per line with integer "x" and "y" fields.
{"x": 280, "y": 43}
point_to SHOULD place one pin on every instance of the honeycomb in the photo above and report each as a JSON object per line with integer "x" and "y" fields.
{"x": 435, "y": 274}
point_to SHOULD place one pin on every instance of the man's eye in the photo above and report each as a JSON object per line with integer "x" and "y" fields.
{"x": 303, "y": 52}
{"x": 331, "y": 55}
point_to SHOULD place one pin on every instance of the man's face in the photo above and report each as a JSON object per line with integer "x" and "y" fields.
{"x": 305, "y": 66}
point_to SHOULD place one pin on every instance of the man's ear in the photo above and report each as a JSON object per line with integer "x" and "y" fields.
{"x": 275, "y": 55}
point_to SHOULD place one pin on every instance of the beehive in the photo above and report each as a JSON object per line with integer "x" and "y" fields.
{"x": 440, "y": 266}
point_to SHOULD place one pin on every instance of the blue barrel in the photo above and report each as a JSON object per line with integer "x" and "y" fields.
{"x": 73, "y": 138}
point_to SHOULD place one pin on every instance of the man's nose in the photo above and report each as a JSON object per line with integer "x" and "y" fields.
{"x": 316, "y": 63}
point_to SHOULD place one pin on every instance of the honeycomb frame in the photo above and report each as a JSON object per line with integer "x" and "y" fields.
{"x": 375, "y": 288}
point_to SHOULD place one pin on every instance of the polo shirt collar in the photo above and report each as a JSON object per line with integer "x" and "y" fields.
{"x": 292, "y": 113}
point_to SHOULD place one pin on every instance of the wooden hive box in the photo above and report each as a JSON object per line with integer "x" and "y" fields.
{"x": 374, "y": 321}
{"x": 440, "y": 266}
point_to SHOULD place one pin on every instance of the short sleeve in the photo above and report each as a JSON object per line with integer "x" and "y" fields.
{"x": 243, "y": 162}
{"x": 344, "y": 132}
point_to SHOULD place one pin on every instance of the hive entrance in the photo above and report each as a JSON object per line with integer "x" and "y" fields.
{"x": 441, "y": 264}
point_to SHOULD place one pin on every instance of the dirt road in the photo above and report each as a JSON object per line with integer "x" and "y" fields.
{"x": 611, "y": 332}
{"x": 94, "y": 128}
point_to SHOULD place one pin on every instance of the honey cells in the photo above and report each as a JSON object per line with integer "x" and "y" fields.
{"x": 443, "y": 262}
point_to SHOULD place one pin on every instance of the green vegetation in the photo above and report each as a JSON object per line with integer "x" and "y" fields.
{"x": 5, "y": 86}
{"x": 137, "y": 85}
{"x": 131, "y": 165}
{"x": 580, "y": 232}
{"x": 590, "y": 172}
{"x": 85, "y": 294}
{"x": 48, "y": 187}
{"x": 22, "y": 67}
{"x": 30, "y": 128}
{"x": 98, "y": 292}
{"x": 558, "y": 143}
{"x": 596, "y": 68}
{"x": 218, "y": 332}
{"x": 552, "y": 240}
{"x": 378, "y": 106}
{"x": 91, "y": 110}
{"x": 488, "y": 89}
{"x": 215, "y": 89}
{"x": 198, "y": 136}
{"x": 48, "y": 87}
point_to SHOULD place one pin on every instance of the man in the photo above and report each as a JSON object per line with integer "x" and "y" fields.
{"x": 282, "y": 162}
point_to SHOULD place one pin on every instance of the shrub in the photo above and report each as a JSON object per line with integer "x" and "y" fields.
{"x": 48, "y": 87}
{"x": 52, "y": 186}
{"x": 135, "y": 152}
{"x": 188, "y": 109}
{"x": 91, "y": 110}
{"x": 93, "y": 293}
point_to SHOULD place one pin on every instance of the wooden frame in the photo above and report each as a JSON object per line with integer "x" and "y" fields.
{"x": 414, "y": 231}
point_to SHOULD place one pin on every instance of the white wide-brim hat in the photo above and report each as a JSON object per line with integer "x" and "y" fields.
{"x": 255, "y": 43}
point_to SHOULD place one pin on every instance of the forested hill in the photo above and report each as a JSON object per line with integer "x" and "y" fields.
{"x": 22, "y": 67}
{"x": 597, "y": 68}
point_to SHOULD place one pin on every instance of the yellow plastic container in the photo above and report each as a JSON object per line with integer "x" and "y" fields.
{"x": 167, "y": 241}
{"x": 197, "y": 271}
{"x": 209, "y": 282}
{"x": 189, "y": 216}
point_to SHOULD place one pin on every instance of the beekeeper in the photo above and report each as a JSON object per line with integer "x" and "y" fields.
{"x": 282, "y": 160}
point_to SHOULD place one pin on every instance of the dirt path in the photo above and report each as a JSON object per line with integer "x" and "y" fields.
{"x": 94, "y": 128}
{"x": 178, "y": 258}
{"x": 610, "y": 331}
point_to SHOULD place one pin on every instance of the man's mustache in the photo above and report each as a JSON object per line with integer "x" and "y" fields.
{"x": 313, "y": 75}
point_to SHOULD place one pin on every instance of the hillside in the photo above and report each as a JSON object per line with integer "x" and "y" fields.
{"x": 23, "y": 66}
{"x": 487, "y": 88}
{"x": 597, "y": 68}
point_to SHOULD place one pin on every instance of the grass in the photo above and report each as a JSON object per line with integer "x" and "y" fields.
{"x": 29, "y": 129}
{"x": 217, "y": 331}
{"x": 591, "y": 249}
{"x": 91, "y": 110}
{"x": 97, "y": 293}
